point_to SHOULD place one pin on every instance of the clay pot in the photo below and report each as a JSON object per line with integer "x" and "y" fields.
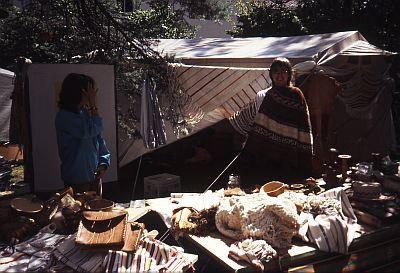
{"x": 274, "y": 188}
{"x": 99, "y": 205}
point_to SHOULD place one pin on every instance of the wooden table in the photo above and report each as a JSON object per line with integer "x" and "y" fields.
{"x": 372, "y": 248}
{"x": 372, "y": 251}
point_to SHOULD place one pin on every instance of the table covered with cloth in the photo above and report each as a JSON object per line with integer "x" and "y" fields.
{"x": 49, "y": 252}
{"x": 326, "y": 222}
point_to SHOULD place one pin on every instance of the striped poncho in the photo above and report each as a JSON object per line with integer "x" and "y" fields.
{"x": 279, "y": 129}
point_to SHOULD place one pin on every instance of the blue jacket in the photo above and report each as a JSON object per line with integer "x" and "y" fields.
{"x": 80, "y": 146}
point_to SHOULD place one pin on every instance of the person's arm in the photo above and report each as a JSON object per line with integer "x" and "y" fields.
{"x": 242, "y": 121}
{"x": 104, "y": 157}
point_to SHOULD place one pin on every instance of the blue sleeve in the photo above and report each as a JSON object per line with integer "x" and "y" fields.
{"x": 78, "y": 125}
{"x": 104, "y": 153}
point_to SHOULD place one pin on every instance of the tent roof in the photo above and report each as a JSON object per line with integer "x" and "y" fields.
{"x": 221, "y": 76}
{"x": 6, "y": 73}
{"x": 305, "y": 47}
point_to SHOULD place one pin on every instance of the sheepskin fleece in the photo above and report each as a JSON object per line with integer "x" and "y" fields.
{"x": 258, "y": 216}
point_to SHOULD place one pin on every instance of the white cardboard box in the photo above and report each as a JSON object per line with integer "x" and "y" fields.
{"x": 161, "y": 185}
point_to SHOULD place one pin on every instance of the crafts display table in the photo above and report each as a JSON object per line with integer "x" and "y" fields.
{"x": 373, "y": 248}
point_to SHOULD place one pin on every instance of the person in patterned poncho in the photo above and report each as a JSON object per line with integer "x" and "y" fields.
{"x": 278, "y": 128}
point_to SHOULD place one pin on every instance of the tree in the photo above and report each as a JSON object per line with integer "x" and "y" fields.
{"x": 265, "y": 18}
{"x": 201, "y": 9}
{"x": 377, "y": 20}
{"x": 56, "y": 31}
{"x": 99, "y": 31}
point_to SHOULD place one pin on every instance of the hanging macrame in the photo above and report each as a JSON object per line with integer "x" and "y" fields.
{"x": 152, "y": 126}
{"x": 178, "y": 106}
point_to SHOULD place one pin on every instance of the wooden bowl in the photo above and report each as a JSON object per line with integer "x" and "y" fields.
{"x": 99, "y": 205}
{"x": 90, "y": 195}
{"x": 26, "y": 205}
{"x": 273, "y": 188}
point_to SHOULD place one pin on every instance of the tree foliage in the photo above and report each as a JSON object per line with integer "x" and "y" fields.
{"x": 99, "y": 31}
{"x": 57, "y": 30}
{"x": 377, "y": 20}
{"x": 265, "y": 18}
{"x": 203, "y": 9}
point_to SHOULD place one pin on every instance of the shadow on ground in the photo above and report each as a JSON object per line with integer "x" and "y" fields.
{"x": 197, "y": 160}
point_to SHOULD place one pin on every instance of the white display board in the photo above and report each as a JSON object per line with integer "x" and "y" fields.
{"x": 44, "y": 86}
{"x": 6, "y": 89}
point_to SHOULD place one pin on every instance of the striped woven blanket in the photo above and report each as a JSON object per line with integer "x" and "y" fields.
{"x": 151, "y": 256}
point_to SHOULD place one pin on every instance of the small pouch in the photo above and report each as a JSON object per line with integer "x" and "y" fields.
{"x": 133, "y": 235}
{"x": 100, "y": 228}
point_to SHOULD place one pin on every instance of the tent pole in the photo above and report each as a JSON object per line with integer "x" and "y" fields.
{"x": 230, "y": 163}
{"x": 137, "y": 175}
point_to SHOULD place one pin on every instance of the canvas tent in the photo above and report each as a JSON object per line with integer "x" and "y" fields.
{"x": 6, "y": 89}
{"x": 221, "y": 76}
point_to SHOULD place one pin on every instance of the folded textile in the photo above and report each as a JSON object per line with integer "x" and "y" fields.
{"x": 41, "y": 244}
{"x": 252, "y": 251}
{"x": 40, "y": 248}
{"x": 16, "y": 262}
{"x": 33, "y": 255}
{"x": 77, "y": 257}
{"x": 40, "y": 264}
{"x": 151, "y": 256}
{"x": 332, "y": 229}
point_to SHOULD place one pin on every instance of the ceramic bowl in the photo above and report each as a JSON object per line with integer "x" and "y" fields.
{"x": 273, "y": 188}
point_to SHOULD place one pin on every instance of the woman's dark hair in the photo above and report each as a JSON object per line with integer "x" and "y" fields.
{"x": 71, "y": 91}
{"x": 279, "y": 64}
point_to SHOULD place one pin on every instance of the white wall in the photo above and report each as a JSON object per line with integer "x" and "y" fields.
{"x": 6, "y": 89}
{"x": 44, "y": 86}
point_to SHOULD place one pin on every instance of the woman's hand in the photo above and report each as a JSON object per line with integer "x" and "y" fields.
{"x": 101, "y": 170}
{"x": 91, "y": 95}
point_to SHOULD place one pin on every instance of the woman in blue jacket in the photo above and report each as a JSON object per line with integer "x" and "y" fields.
{"x": 81, "y": 148}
